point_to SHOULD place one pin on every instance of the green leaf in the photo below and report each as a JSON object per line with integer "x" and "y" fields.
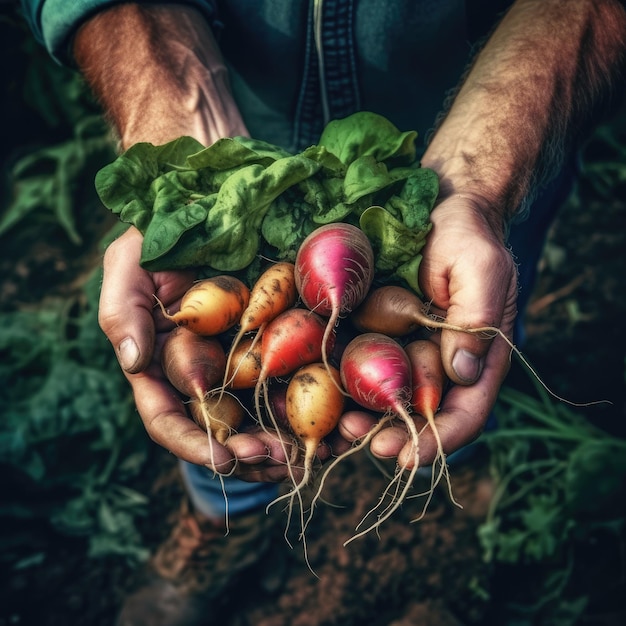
{"x": 125, "y": 186}
{"x": 214, "y": 208}
{"x": 365, "y": 133}
{"x": 229, "y": 239}
{"x": 395, "y": 245}
{"x": 228, "y": 153}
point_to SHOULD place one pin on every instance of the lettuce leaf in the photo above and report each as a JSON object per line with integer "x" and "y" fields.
{"x": 219, "y": 207}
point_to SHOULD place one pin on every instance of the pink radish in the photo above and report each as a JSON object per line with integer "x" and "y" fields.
{"x": 376, "y": 372}
{"x": 334, "y": 270}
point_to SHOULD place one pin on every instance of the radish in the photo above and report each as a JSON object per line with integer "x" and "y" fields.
{"x": 376, "y": 372}
{"x": 211, "y": 306}
{"x": 334, "y": 270}
{"x": 274, "y": 292}
{"x": 314, "y": 403}
{"x": 222, "y": 413}
{"x": 192, "y": 363}
{"x": 428, "y": 381}
{"x": 396, "y": 311}
{"x": 291, "y": 340}
{"x": 195, "y": 365}
{"x": 243, "y": 365}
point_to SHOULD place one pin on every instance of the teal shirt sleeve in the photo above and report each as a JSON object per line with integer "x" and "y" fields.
{"x": 54, "y": 22}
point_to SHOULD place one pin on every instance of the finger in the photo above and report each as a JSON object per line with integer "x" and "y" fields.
{"x": 263, "y": 473}
{"x": 167, "y": 424}
{"x": 259, "y": 442}
{"x": 126, "y": 308}
{"x": 356, "y": 424}
{"x": 468, "y": 272}
{"x": 484, "y": 298}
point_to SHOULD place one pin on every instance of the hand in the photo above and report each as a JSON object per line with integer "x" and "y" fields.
{"x": 468, "y": 273}
{"x": 136, "y": 329}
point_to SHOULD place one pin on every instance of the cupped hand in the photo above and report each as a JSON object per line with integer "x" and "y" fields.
{"x": 468, "y": 272}
{"x": 136, "y": 328}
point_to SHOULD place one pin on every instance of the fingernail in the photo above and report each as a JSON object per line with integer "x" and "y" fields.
{"x": 128, "y": 354}
{"x": 466, "y": 365}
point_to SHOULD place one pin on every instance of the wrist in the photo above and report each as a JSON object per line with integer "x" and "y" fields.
{"x": 160, "y": 76}
{"x": 468, "y": 211}
{"x": 478, "y": 160}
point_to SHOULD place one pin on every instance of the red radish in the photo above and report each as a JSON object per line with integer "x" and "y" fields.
{"x": 211, "y": 306}
{"x": 428, "y": 376}
{"x": 376, "y": 372}
{"x": 334, "y": 271}
{"x": 222, "y": 413}
{"x": 292, "y": 339}
{"x": 274, "y": 292}
{"x": 428, "y": 381}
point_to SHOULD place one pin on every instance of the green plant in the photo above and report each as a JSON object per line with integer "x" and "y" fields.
{"x": 560, "y": 482}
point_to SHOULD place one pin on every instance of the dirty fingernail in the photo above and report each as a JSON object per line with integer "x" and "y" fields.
{"x": 466, "y": 365}
{"x": 128, "y": 354}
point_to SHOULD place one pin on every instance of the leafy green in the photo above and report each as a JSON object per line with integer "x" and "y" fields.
{"x": 220, "y": 207}
{"x": 68, "y": 430}
{"x": 559, "y": 480}
{"x": 46, "y": 178}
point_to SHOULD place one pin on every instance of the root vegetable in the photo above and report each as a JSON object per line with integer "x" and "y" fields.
{"x": 243, "y": 365}
{"x": 334, "y": 271}
{"x": 195, "y": 366}
{"x": 221, "y": 413}
{"x": 314, "y": 404}
{"x": 376, "y": 372}
{"x": 291, "y": 340}
{"x": 192, "y": 363}
{"x": 211, "y": 306}
{"x": 274, "y": 292}
{"x": 428, "y": 381}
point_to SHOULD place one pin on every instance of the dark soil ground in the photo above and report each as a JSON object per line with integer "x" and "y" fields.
{"x": 428, "y": 573}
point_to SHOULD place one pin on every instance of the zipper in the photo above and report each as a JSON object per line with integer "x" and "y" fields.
{"x": 319, "y": 50}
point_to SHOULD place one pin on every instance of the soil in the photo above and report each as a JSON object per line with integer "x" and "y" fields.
{"x": 431, "y": 572}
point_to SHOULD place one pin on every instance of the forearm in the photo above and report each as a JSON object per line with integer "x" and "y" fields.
{"x": 158, "y": 73}
{"x": 531, "y": 91}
